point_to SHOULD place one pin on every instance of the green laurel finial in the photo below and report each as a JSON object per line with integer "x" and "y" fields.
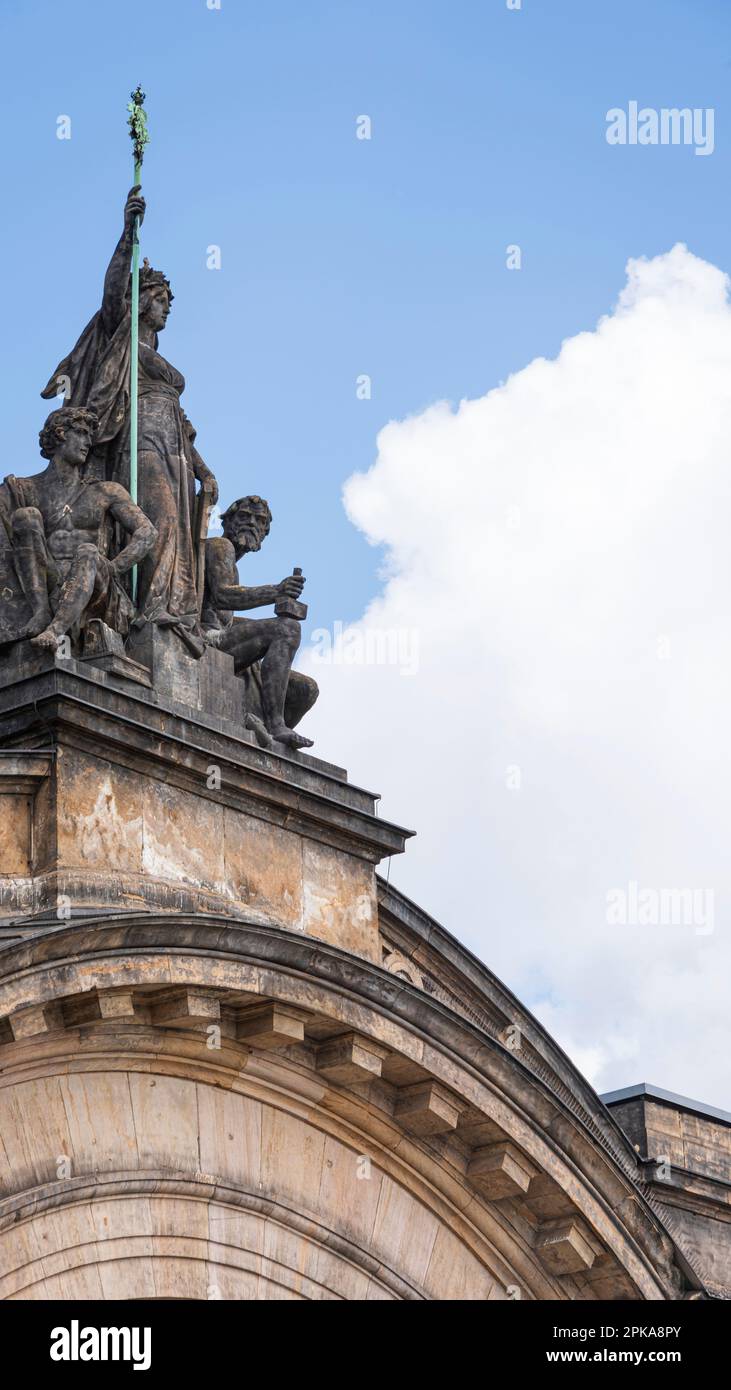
{"x": 139, "y": 134}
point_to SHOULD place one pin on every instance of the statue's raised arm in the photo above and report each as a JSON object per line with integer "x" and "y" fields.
{"x": 77, "y": 374}
{"x": 116, "y": 280}
{"x": 96, "y": 376}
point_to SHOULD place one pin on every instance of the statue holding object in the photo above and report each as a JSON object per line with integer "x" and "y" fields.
{"x": 96, "y": 374}
{"x": 263, "y": 648}
{"x": 75, "y": 546}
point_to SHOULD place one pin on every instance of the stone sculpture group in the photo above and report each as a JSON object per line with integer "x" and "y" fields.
{"x": 76, "y": 550}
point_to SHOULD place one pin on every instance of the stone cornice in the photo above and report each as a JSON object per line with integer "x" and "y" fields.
{"x": 83, "y": 709}
{"x": 238, "y": 961}
{"x": 473, "y": 987}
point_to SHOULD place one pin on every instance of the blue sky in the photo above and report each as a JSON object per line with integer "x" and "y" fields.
{"x": 388, "y": 257}
{"x": 340, "y": 256}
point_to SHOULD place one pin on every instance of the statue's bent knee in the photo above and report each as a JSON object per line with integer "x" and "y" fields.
{"x": 291, "y": 629}
{"x": 26, "y": 521}
{"x": 311, "y": 686}
{"x": 306, "y": 691}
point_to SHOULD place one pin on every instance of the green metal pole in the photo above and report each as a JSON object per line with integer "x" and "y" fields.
{"x": 137, "y": 123}
{"x": 134, "y": 365}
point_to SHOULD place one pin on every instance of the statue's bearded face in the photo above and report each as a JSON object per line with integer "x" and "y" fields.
{"x": 247, "y": 529}
{"x": 155, "y": 307}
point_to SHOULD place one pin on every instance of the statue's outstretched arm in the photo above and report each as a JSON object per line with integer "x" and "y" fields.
{"x": 116, "y": 279}
{"x": 222, "y": 578}
{"x": 237, "y": 599}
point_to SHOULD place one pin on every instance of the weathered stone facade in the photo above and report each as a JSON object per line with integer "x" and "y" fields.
{"x": 685, "y": 1151}
{"x": 234, "y": 1063}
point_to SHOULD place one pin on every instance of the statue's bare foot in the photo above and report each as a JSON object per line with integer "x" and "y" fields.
{"x": 37, "y": 624}
{"x": 48, "y": 638}
{"x": 292, "y": 739}
{"x": 258, "y": 728}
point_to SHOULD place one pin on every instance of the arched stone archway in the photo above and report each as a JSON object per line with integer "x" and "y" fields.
{"x": 199, "y": 1108}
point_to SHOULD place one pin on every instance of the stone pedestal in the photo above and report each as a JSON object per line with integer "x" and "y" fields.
{"x": 206, "y": 683}
{"x": 115, "y": 798}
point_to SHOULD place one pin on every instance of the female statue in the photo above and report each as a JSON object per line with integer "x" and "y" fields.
{"x": 96, "y": 375}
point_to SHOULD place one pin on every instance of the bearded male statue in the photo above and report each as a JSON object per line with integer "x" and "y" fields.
{"x": 263, "y": 648}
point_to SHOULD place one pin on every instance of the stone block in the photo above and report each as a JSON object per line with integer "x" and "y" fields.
{"x": 172, "y": 667}
{"x": 22, "y": 777}
{"x": 662, "y": 1148}
{"x": 100, "y": 640}
{"x": 564, "y": 1247}
{"x": 115, "y": 1005}
{"x": 22, "y": 660}
{"x": 501, "y": 1170}
{"x": 427, "y": 1108}
{"x": 183, "y": 836}
{"x": 207, "y": 683}
{"x": 29, "y": 1023}
{"x": 663, "y": 1118}
{"x": 99, "y": 814}
{"x": 350, "y": 1058}
{"x": 271, "y": 1026}
{"x": 186, "y": 1008}
{"x": 126, "y": 813}
{"x": 263, "y": 867}
{"x": 339, "y": 899}
{"x": 220, "y": 691}
{"x": 15, "y": 834}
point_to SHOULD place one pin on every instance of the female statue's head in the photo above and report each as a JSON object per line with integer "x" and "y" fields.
{"x": 155, "y": 297}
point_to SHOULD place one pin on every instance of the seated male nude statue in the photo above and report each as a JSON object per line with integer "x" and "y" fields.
{"x": 285, "y": 695}
{"x": 59, "y": 525}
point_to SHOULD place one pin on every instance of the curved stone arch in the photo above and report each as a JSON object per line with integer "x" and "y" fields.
{"x": 239, "y": 963}
{"x": 195, "y": 1245}
{"x": 408, "y": 1198}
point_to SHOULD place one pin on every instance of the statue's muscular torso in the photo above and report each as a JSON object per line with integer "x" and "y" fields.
{"x": 221, "y": 571}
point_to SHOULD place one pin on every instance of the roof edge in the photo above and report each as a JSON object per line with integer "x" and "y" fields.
{"x": 669, "y": 1097}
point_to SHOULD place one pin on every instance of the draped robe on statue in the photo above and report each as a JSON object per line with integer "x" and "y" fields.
{"x": 96, "y": 375}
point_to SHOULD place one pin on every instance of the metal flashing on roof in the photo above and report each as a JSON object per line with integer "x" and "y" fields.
{"x": 669, "y": 1097}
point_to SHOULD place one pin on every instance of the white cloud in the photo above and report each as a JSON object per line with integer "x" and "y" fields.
{"x": 562, "y": 549}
